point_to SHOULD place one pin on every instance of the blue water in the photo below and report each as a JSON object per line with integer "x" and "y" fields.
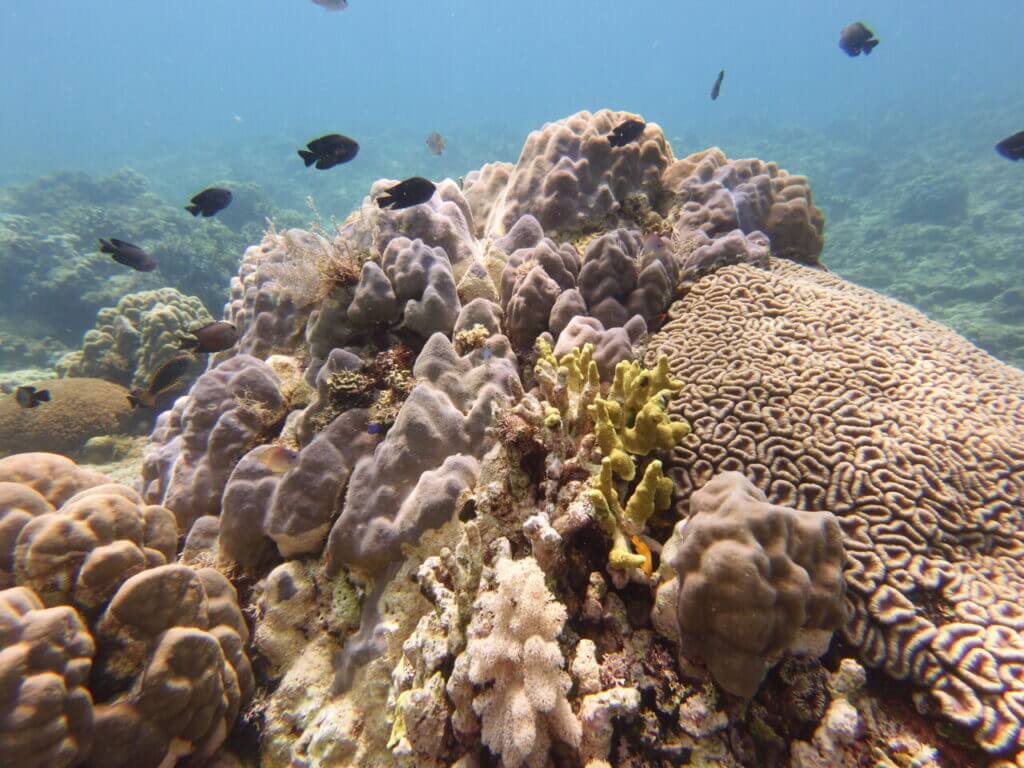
{"x": 197, "y": 92}
{"x": 96, "y": 86}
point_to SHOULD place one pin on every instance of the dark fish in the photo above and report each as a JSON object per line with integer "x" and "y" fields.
{"x": 209, "y": 338}
{"x": 210, "y": 201}
{"x": 30, "y": 397}
{"x": 856, "y": 38}
{"x": 332, "y": 5}
{"x": 717, "y": 87}
{"x": 407, "y": 193}
{"x": 329, "y": 151}
{"x": 164, "y": 380}
{"x": 626, "y": 132}
{"x": 128, "y": 254}
{"x": 1012, "y": 148}
{"x": 436, "y": 143}
{"x": 278, "y": 459}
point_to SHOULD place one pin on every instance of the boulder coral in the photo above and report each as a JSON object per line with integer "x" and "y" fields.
{"x": 745, "y": 581}
{"x": 829, "y": 396}
{"x": 130, "y": 341}
{"x": 111, "y": 653}
{"x": 78, "y": 410}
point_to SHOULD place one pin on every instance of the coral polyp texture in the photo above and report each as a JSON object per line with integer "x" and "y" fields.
{"x": 570, "y": 464}
{"x": 828, "y": 396}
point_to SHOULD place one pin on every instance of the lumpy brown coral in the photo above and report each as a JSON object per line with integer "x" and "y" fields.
{"x": 166, "y": 643}
{"x": 78, "y": 409}
{"x": 828, "y": 396}
{"x": 745, "y": 578}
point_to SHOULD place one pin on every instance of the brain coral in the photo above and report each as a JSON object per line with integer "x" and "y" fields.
{"x": 828, "y": 396}
{"x": 78, "y": 409}
{"x": 130, "y": 341}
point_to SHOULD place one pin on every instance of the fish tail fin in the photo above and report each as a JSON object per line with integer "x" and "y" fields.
{"x": 42, "y": 396}
{"x": 133, "y": 400}
{"x": 193, "y": 209}
{"x": 868, "y": 46}
{"x": 187, "y": 342}
{"x": 385, "y": 200}
{"x": 307, "y": 157}
{"x": 105, "y": 246}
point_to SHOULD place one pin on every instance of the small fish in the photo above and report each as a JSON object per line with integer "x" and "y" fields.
{"x": 407, "y": 193}
{"x": 332, "y": 5}
{"x": 717, "y": 87}
{"x": 278, "y": 459}
{"x": 128, "y": 254}
{"x": 856, "y": 38}
{"x": 329, "y": 151}
{"x": 210, "y": 201}
{"x": 164, "y": 380}
{"x": 209, "y": 338}
{"x": 487, "y": 353}
{"x": 30, "y": 397}
{"x": 1012, "y": 148}
{"x": 374, "y": 429}
{"x": 625, "y": 132}
{"x": 436, "y": 143}
{"x": 645, "y": 552}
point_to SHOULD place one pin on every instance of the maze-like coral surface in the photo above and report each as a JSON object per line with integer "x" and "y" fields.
{"x": 831, "y": 397}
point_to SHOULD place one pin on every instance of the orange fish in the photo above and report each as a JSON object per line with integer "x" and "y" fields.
{"x": 644, "y": 551}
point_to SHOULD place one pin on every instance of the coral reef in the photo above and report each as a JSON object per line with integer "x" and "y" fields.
{"x": 477, "y": 515}
{"x": 133, "y": 339}
{"x": 909, "y": 435}
{"x": 78, "y": 410}
{"x": 48, "y": 248}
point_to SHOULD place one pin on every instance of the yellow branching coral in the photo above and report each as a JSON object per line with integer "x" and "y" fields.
{"x": 619, "y": 430}
{"x": 569, "y": 385}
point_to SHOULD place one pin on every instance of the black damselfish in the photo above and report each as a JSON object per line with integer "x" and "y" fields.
{"x": 626, "y": 132}
{"x": 30, "y": 397}
{"x": 717, "y": 87}
{"x": 210, "y": 338}
{"x": 329, "y": 151}
{"x": 856, "y": 38}
{"x": 1012, "y": 147}
{"x": 210, "y": 201}
{"x": 128, "y": 254}
{"x": 164, "y": 380}
{"x": 407, "y": 193}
